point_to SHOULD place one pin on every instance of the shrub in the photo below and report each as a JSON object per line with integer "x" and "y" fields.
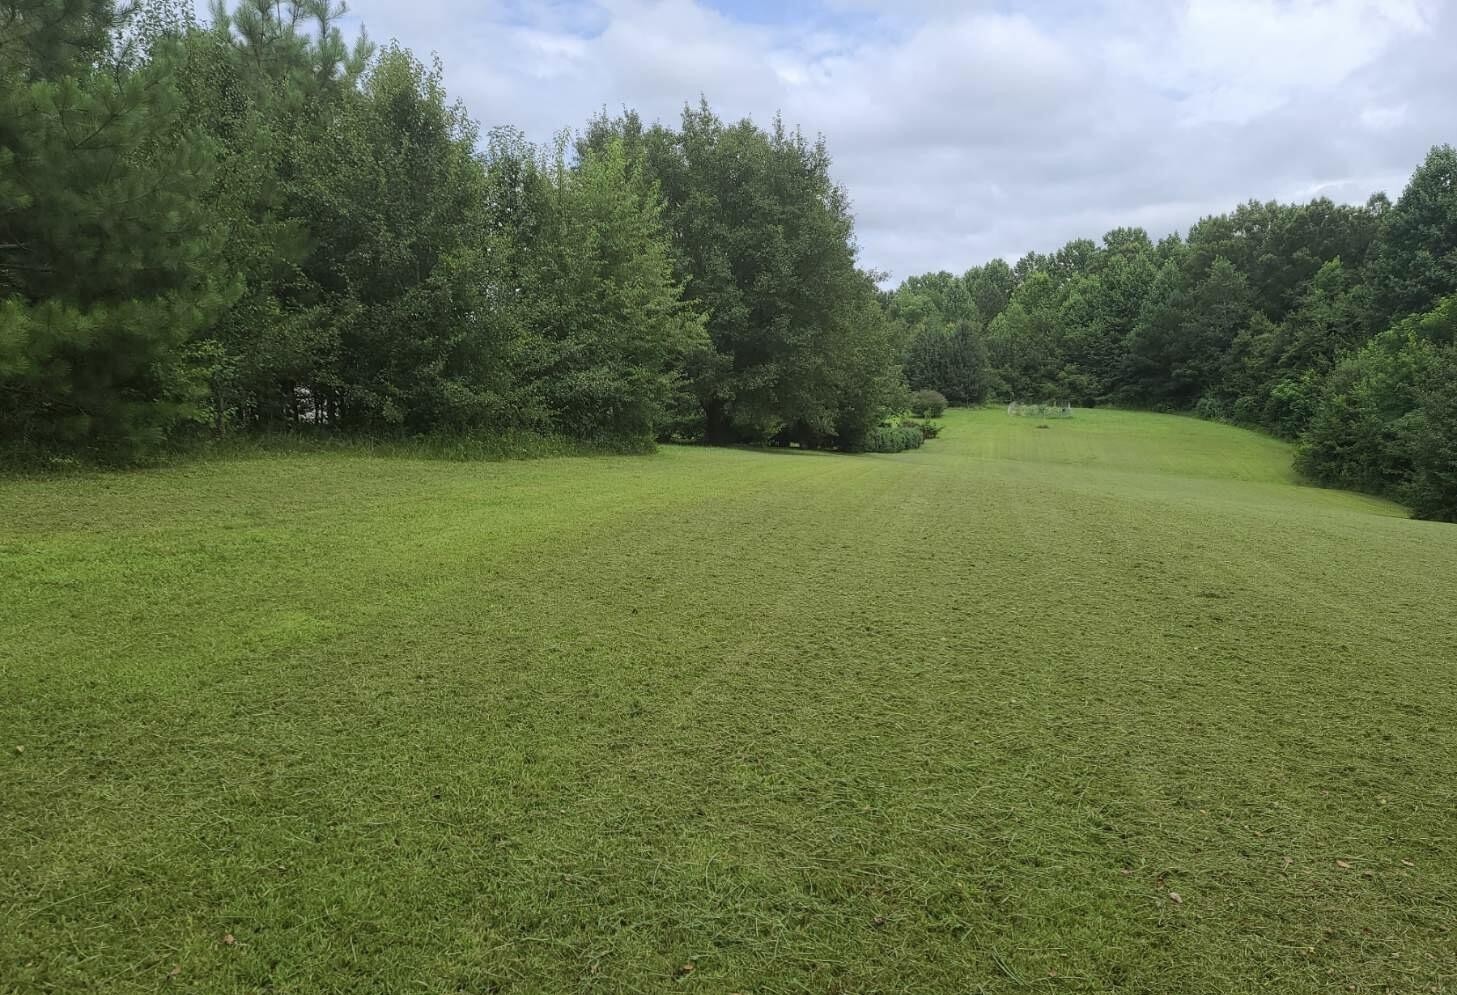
{"x": 1291, "y": 404}
{"x": 1211, "y": 409}
{"x": 893, "y": 439}
{"x": 928, "y": 404}
{"x": 1247, "y": 410}
{"x": 928, "y": 429}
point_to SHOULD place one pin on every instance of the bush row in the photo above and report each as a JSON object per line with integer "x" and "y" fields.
{"x": 893, "y": 439}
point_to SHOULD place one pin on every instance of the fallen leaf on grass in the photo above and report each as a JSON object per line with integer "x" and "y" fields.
{"x": 1407, "y": 863}
{"x": 229, "y": 939}
{"x": 1176, "y": 898}
{"x": 176, "y": 970}
{"x": 1344, "y": 865}
{"x": 687, "y": 969}
{"x": 878, "y": 921}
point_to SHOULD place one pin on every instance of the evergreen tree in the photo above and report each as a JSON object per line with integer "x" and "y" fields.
{"x": 108, "y": 251}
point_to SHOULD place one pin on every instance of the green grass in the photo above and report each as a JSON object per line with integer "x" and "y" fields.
{"x": 953, "y": 720}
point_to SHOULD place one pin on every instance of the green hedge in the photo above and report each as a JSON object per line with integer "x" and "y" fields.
{"x": 893, "y": 440}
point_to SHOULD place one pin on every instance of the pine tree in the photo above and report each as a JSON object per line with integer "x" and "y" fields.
{"x": 107, "y": 252}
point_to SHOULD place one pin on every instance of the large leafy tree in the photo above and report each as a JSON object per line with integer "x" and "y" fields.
{"x": 1025, "y": 341}
{"x": 611, "y": 331}
{"x": 764, "y": 243}
{"x": 1384, "y": 419}
{"x": 990, "y": 287}
{"x": 391, "y": 195}
{"x": 271, "y": 84}
{"x": 1415, "y": 263}
{"x": 1101, "y": 308}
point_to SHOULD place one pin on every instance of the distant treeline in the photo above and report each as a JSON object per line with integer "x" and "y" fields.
{"x": 1334, "y": 326}
{"x": 249, "y": 224}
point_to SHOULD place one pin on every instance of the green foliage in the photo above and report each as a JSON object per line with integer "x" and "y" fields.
{"x": 798, "y": 346}
{"x": 892, "y": 439}
{"x": 1024, "y": 342}
{"x": 1415, "y": 262}
{"x": 51, "y": 39}
{"x": 473, "y": 446}
{"x": 1281, "y": 247}
{"x": 1099, "y": 311}
{"x": 928, "y": 429}
{"x": 928, "y": 404}
{"x": 108, "y": 255}
{"x": 1178, "y": 347}
{"x": 1291, "y": 404}
{"x": 942, "y": 316}
{"x": 393, "y": 202}
{"x": 1383, "y": 422}
{"x": 606, "y": 333}
{"x": 380, "y": 276}
{"x": 952, "y": 364}
{"x": 1432, "y": 489}
{"x": 1211, "y": 409}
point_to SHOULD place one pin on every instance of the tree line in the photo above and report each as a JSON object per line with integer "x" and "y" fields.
{"x": 1330, "y": 325}
{"x": 249, "y": 224}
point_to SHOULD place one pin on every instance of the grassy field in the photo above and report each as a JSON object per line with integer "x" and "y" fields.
{"x": 1108, "y": 705}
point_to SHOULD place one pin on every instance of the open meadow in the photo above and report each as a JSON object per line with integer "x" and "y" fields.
{"x": 1110, "y": 704}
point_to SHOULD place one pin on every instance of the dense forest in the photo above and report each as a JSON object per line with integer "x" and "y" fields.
{"x": 250, "y": 224}
{"x": 1330, "y": 325}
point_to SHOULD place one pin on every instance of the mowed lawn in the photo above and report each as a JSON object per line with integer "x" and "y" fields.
{"x": 1112, "y": 704}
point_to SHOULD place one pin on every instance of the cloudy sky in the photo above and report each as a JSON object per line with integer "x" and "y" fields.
{"x": 970, "y": 130}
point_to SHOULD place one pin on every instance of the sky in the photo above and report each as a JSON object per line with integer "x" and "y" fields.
{"x": 968, "y": 131}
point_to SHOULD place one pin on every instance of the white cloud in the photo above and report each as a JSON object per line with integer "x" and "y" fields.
{"x": 1383, "y": 118}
